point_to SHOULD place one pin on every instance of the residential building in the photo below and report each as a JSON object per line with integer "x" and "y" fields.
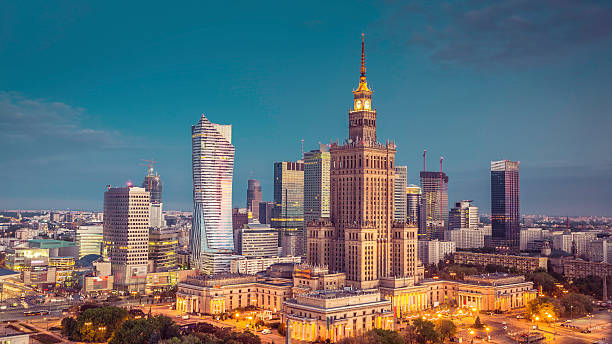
{"x": 581, "y": 242}
{"x": 466, "y": 238}
{"x": 577, "y": 268}
{"x": 463, "y": 215}
{"x": 316, "y": 183}
{"x": 257, "y": 240}
{"x": 562, "y": 242}
{"x": 126, "y": 236}
{"x": 521, "y": 263}
{"x": 400, "y": 201}
{"x": 505, "y": 206}
{"x": 529, "y": 235}
{"x": 433, "y": 251}
{"x": 163, "y": 244}
{"x": 434, "y": 204}
{"x": 288, "y": 212}
{"x": 89, "y": 239}
{"x": 211, "y": 236}
{"x": 600, "y": 251}
{"x": 413, "y": 202}
{"x": 253, "y": 199}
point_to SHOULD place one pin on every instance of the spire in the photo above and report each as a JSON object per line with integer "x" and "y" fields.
{"x": 363, "y": 68}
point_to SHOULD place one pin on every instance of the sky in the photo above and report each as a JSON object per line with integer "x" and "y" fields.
{"x": 88, "y": 89}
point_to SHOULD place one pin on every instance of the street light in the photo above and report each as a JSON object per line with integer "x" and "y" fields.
{"x": 488, "y": 335}
{"x": 472, "y": 334}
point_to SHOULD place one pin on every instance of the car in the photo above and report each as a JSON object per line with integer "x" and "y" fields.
{"x": 266, "y": 331}
{"x": 185, "y": 316}
{"x": 505, "y": 327}
{"x": 504, "y": 323}
{"x": 520, "y": 317}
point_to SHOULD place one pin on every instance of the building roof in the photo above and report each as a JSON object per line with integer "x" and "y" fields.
{"x": 50, "y": 243}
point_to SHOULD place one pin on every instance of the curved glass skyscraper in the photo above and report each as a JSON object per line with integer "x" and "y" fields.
{"x": 213, "y": 167}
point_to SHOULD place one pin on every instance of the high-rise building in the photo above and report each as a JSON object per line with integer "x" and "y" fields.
{"x": 316, "y": 183}
{"x": 360, "y": 238}
{"x": 89, "y": 239}
{"x": 257, "y": 240}
{"x": 211, "y": 239}
{"x": 126, "y": 235}
{"x": 505, "y": 207}
{"x": 253, "y": 199}
{"x": 466, "y": 238}
{"x": 400, "y": 206}
{"x": 413, "y": 203}
{"x": 152, "y": 183}
{"x": 433, "y": 251}
{"x": 463, "y": 215}
{"x": 288, "y": 212}
{"x": 265, "y": 212}
{"x": 163, "y": 244}
{"x": 434, "y": 204}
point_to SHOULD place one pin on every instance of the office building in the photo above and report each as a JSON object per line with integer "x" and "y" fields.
{"x": 316, "y": 183}
{"x": 211, "y": 236}
{"x": 163, "y": 244}
{"x": 288, "y": 212}
{"x": 463, "y": 215}
{"x": 265, "y": 212}
{"x": 433, "y": 251}
{"x": 413, "y": 203}
{"x": 89, "y": 239}
{"x": 365, "y": 243}
{"x": 505, "y": 206}
{"x": 529, "y": 235}
{"x": 251, "y": 266}
{"x": 434, "y": 204}
{"x": 521, "y": 263}
{"x": 253, "y": 199}
{"x": 400, "y": 202}
{"x": 257, "y": 240}
{"x": 152, "y": 183}
{"x": 126, "y": 236}
{"x": 466, "y": 238}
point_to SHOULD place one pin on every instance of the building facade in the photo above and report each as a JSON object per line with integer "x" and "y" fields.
{"x": 88, "y": 238}
{"x": 521, "y": 263}
{"x": 253, "y": 199}
{"x": 251, "y": 266}
{"x": 163, "y": 244}
{"x": 413, "y": 203}
{"x": 257, "y": 240}
{"x": 152, "y": 183}
{"x": 505, "y": 205}
{"x": 400, "y": 197}
{"x": 288, "y": 212}
{"x": 434, "y": 204}
{"x": 463, "y": 215}
{"x": 466, "y": 238}
{"x": 126, "y": 236}
{"x": 433, "y": 251}
{"x": 316, "y": 183}
{"x": 265, "y": 212}
{"x": 213, "y": 167}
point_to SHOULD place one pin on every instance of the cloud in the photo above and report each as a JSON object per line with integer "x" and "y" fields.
{"x": 511, "y": 31}
{"x": 40, "y": 129}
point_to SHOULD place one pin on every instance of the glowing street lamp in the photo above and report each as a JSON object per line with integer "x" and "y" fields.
{"x": 488, "y": 335}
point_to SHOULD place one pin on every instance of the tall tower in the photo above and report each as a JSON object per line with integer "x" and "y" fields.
{"x": 152, "y": 183}
{"x": 400, "y": 196}
{"x": 505, "y": 207}
{"x": 413, "y": 203}
{"x": 211, "y": 239}
{"x": 362, "y": 189}
{"x": 434, "y": 206}
{"x": 126, "y": 235}
{"x": 253, "y": 199}
{"x": 316, "y": 183}
{"x": 288, "y": 212}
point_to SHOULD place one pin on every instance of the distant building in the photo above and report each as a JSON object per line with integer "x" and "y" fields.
{"x": 433, "y": 251}
{"x": 265, "y": 212}
{"x": 505, "y": 207}
{"x": 251, "y": 266}
{"x": 316, "y": 183}
{"x": 400, "y": 205}
{"x": 89, "y": 239}
{"x": 240, "y": 217}
{"x": 126, "y": 236}
{"x": 152, "y": 183}
{"x": 463, "y": 215}
{"x": 413, "y": 203}
{"x": 288, "y": 212}
{"x": 257, "y": 240}
{"x": 521, "y": 263}
{"x": 253, "y": 199}
{"x": 163, "y": 244}
{"x": 528, "y": 236}
{"x": 600, "y": 251}
{"x": 466, "y": 238}
{"x": 434, "y": 203}
{"x": 581, "y": 242}
{"x": 211, "y": 239}
{"x": 562, "y": 242}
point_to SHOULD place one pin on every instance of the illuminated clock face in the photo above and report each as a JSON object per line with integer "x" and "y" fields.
{"x": 358, "y": 104}
{"x": 367, "y": 105}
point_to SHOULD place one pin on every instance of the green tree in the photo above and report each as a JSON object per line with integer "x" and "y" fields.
{"x": 425, "y": 331}
{"x": 144, "y": 331}
{"x": 446, "y": 328}
{"x": 477, "y": 323}
{"x": 575, "y": 304}
{"x": 543, "y": 279}
{"x": 70, "y": 328}
{"x": 540, "y": 306}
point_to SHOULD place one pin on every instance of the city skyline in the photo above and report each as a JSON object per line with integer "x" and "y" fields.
{"x": 556, "y": 130}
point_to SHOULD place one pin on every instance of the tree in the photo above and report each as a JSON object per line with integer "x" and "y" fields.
{"x": 69, "y": 328}
{"x": 446, "y": 328}
{"x": 541, "y": 306}
{"x": 143, "y": 331}
{"x": 477, "y": 323}
{"x": 425, "y": 331}
{"x": 576, "y": 304}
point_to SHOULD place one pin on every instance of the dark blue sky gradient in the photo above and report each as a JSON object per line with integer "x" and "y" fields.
{"x": 87, "y": 89}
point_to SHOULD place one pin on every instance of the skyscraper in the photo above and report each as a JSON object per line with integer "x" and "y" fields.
{"x": 413, "y": 202}
{"x": 400, "y": 207}
{"x": 152, "y": 183}
{"x": 434, "y": 203}
{"x": 162, "y": 249}
{"x": 316, "y": 183}
{"x": 211, "y": 240}
{"x": 288, "y": 212}
{"x": 505, "y": 207}
{"x": 463, "y": 215}
{"x": 253, "y": 199}
{"x": 360, "y": 238}
{"x": 265, "y": 212}
{"x": 126, "y": 235}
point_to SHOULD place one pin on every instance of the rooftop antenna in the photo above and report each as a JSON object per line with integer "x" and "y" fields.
{"x": 424, "y": 153}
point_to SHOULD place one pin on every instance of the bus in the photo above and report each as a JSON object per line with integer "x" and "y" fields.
{"x": 34, "y": 313}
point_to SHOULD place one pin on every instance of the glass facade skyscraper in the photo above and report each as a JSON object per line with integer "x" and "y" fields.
{"x": 288, "y": 212}
{"x": 316, "y": 183}
{"x": 505, "y": 206}
{"x": 253, "y": 199}
{"x": 413, "y": 203}
{"x": 213, "y": 168}
{"x": 434, "y": 203}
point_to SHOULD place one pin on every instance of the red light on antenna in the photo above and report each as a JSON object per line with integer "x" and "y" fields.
{"x": 129, "y": 184}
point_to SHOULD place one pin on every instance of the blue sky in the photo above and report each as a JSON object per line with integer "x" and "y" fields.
{"x": 89, "y": 88}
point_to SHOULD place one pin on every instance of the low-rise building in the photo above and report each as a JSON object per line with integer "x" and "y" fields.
{"x": 521, "y": 263}
{"x": 433, "y": 251}
{"x": 251, "y": 266}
